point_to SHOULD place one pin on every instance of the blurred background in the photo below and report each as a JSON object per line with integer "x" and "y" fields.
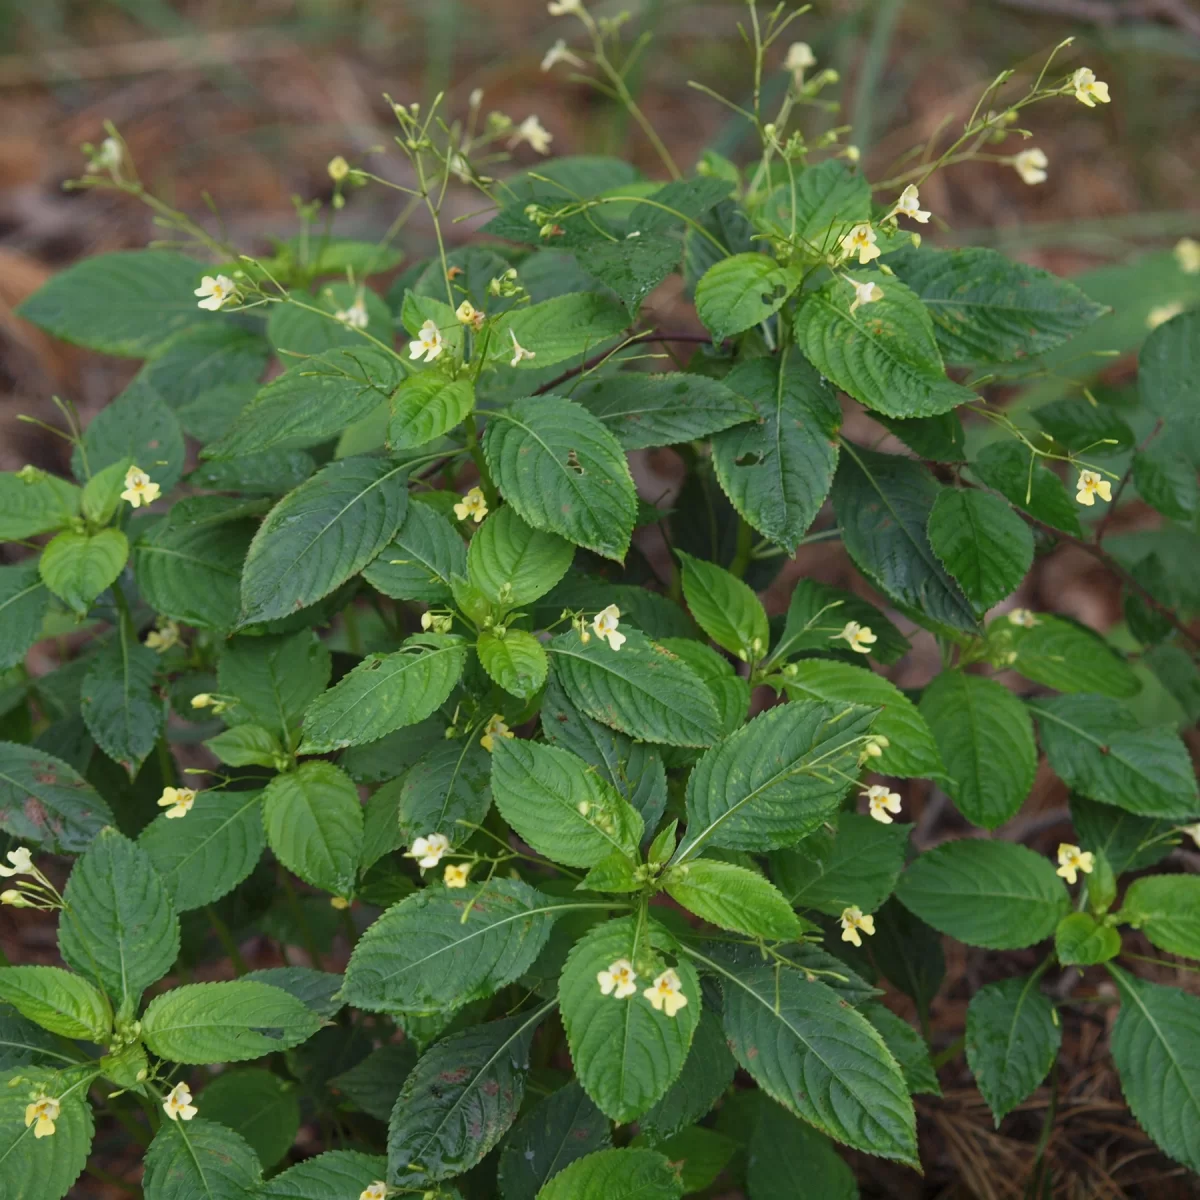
{"x": 246, "y": 102}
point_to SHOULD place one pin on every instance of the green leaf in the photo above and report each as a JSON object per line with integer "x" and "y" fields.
{"x": 706, "y": 1075}
{"x": 858, "y": 864}
{"x": 208, "y": 356}
{"x": 883, "y": 504}
{"x": 441, "y": 948}
{"x": 663, "y": 410}
{"x": 992, "y": 894}
{"x": 77, "y": 567}
{"x": 121, "y": 928}
{"x": 738, "y": 292}
{"x": 293, "y": 329}
{"x": 631, "y": 268}
{"x": 247, "y": 746}
{"x": 558, "y": 1130}
{"x": 733, "y": 898}
{"x": 136, "y": 427}
{"x": 789, "y": 1160}
{"x": 697, "y": 1154}
{"x": 320, "y": 990}
{"x": 257, "y": 1105}
{"x": 622, "y": 1174}
{"x": 1071, "y": 658}
{"x": 825, "y": 201}
{"x": 426, "y": 406}
{"x": 563, "y": 472}
{"x": 1167, "y": 909}
{"x": 514, "y": 659}
{"x": 1128, "y": 842}
{"x": 267, "y": 474}
{"x": 321, "y": 534}
{"x": 449, "y": 784}
{"x": 820, "y": 1058}
{"x": 57, "y": 1000}
{"x": 22, "y": 1042}
{"x": 1095, "y": 747}
{"x": 335, "y": 1173}
{"x": 777, "y": 470}
{"x": 817, "y": 613}
{"x": 461, "y": 1097}
{"x": 939, "y": 438}
{"x": 908, "y": 1048}
{"x": 374, "y": 1083}
{"x": 911, "y": 752}
{"x": 314, "y": 824}
{"x": 385, "y": 692}
{"x": 909, "y": 953}
{"x": 118, "y": 702}
{"x": 225, "y": 1022}
{"x": 561, "y": 808}
{"x": 24, "y": 602}
{"x": 312, "y": 401}
{"x": 884, "y": 354}
{"x": 1167, "y": 367}
{"x": 642, "y": 689}
{"x": 988, "y": 309}
{"x": 776, "y": 779}
{"x": 35, "y": 502}
{"x": 42, "y": 1168}
{"x": 126, "y": 303}
{"x": 1159, "y": 1076}
{"x": 666, "y": 208}
{"x": 200, "y": 1160}
{"x": 46, "y": 802}
{"x": 985, "y": 738}
{"x": 981, "y": 542}
{"x": 725, "y": 608}
{"x": 1084, "y": 427}
{"x": 555, "y": 330}
{"x": 274, "y": 679}
{"x": 1022, "y": 480}
{"x": 1012, "y": 1039}
{"x": 513, "y": 564}
{"x": 626, "y": 1053}
{"x": 730, "y": 692}
{"x": 1080, "y": 940}
{"x": 1166, "y": 480}
{"x": 419, "y": 562}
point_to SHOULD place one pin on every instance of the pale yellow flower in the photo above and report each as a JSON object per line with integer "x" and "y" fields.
{"x": 428, "y": 343}
{"x": 339, "y": 902}
{"x": 202, "y": 700}
{"x": 619, "y": 981}
{"x": 860, "y": 637}
{"x": 354, "y": 317}
{"x": 531, "y": 130}
{"x": 1072, "y": 860}
{"x": 1092, "y": 484}
{"x": 13, "y": 897}
{"x": 605, "y": 625}
{"x": 874, "y": 746}
{"x": 177, "y": 801}
{"x": 1162, "y": 313}
{"x": 864, "y": 293}
{"x": 473, "y": 505}
{"x": 374, "y": 1191}
{"x": 437, "y": 622}
{"x": 1187, "y": 255}
{"x": 909, "y": 205}
{"x": 861, "y": 241}
{"x": 468, "y": 314}
{"x": 1031, "y": 165}
{"x": 519, "y": 351}
{"x": 562, "y": 8}
{"x": 881, "y": 803}
{"x": 42, "y": 1114}
{"x": 178, "y": 1104}
{"x": 1089, "y": 89}
{"x": 666, "y": 993}
{"x": 216, "y": 291}
{"x": 559, "y": 53}
{"x": 799, "y": 59}
{"x": 22, "y": 862}
{"x": 455, "y": 875}
{"x": 495, "y": 728}
{"x": 1193, "y": 831}
{"x": 855, "y": 922}
{"x": 429, "y": 851}
{"x": 852, "y": 154}
{"x": 164, "y": 638}
{"x": 338, "y": 168}
{"x": 140, "y": 488}
{"x": 1023, "y": 617}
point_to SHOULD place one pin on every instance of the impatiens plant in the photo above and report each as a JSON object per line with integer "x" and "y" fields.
{"x": 364, "y": 595}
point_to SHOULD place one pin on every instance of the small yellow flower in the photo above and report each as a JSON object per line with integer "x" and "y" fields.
{"x": 1031, "y": 165}
{"x": 495, "y": 728}
{"x": 473, "y": 505}
{"x": 178, "y": 1104}
{"x": 1091, "y": 484}
{"x": 216, "y": 291}
{"x": 860, "y": 637}
{"x": 1023, "y": 617}
{"x": 874, "y": 746}
{"x": 619, "y": 981}
{"x": 605, "y": 625}
{"x": 203, "y": 700}
{"x": 429, "y": 851}
{"x": 861, "y": 241}
{"x": 852, "y": 154}
{"x": 563, "y": 8}
{"x": 1089, "y": 89}
{"x": 44, "y": 1111}
{"x": 1193, "y": 831}
{"x": 1187, "y": 255}
{"x": 354, "y": 317}
{"x": 531, "y": 130}
{"x": 455, "y": 875}
{"x": 666, "y": 993}
{"x": 339, "y": 902}
{"x": 374, "y": 1191}
{"x": 468, "y": 314}
{"x": 428, "y": 343}
{"x": 163, "y": 638}
{"x": 909, "y": 205}
{"x": 559, "y": 53}
{"x": 1072, "y": 860}
{"x": 881, "y": 803}
{"x": 140, "y": 488}
{"x": 437, "y": 622}
{"x": 177, "y": 801}
{"x": 1162, "y": 313}
{"x": 855, "y": 922}
{"x": 13, "y": 897}
{"x": 864, "y": 293}
{"x": 22, "y": 862}
{"x": 519, "y": 351}
{"x": 799, "y": 59}
{"x": 338, "y": 168}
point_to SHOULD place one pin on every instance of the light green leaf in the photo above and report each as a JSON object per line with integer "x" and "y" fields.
{"x": 1071, "y": 658}
{"x": 992, "y": 894}
{"x": 225, "y": 1022}
{"x": 555, "y": 330}
{"x": 776, "y": 779}
{"x": 733, "y": 898}
{"x": 247, "y": 746}
{"x": 738, "y": 292}
{"x": 200, "y": 1160}
{"x": 1167, "y": 909}
{"x": 274, "y": 679}
{"x": 516, "y": 661}
{"x": 985, "y": 738}
{"x": 45, "y": 802}
{"x": 299, "y": 330}
{"x": 619, "y": 1174}
{"x": 440, "y": 948}
{"x": 1022, "y": 480}
{"x": 561, "y": 808}
{"x": 1167, "y": 367}
{"x": 825, "y": 201}
{"x": 24, "y": 601}
{"x": 513, "y": 564}
{"x": 335, "y": 1173}
{"x": 77, "y": 567}
{"x": 385, "y": 692}
{"x": 314, "y": 824}
{"x": 1081, "y": 940}
{"x": 136, "y": 427}
{"x": 725, "y": 608}
{"x": 258, "y": 1105}
{"x": 983, "y": 544}
{"x": 41, "y": 1168}
{"x": 563, "y": 472}
{"x": 119, "y": 704}
{"x": 319, "y": 535}
{"x": 789, "y": 1160}
{"x": 908, "y": 1048}
{"x": 121, "y": 929}
{"x": 426, "y": 406}
{"x": 57, "y": 1000}
{"x": 419, "y": 562}
{"x": 817, "y": 613}
{"x": 35, "y": 503}
{"x": 449, "y": 784}
{"x": 1095, "y": 747}
{"x": 102, "y": 493}
{"x": 558, "y": 1130}
{"x": 1012, "y": 1038}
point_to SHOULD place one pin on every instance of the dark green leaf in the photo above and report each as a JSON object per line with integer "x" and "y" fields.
{"x": 738, "y": 292}
{"x": 137, "y": 427}
{"x": 725, "y": 608}
{"x": 273, "y": 678}
{"x": 77, "y": 567}
{"x": 24, "y": 601}
{"x": 419, "y": 562}
{"x": 625, "y": 1174}
{"x": 981, "y": 542}
{"x": 258, "y": 1105}
{"x": 817, "y": 613}
{"x": 789, "y": 1160}
{"x": 908, "y": 1048}
{"x": 335, "y": 1173}
{"x": 299, "y": 330}
{"x": 200, "y": 1160}
{"x": 1022, "y": 480}
{"x": 45, "y": 802}
{"x": 119, "y": 704}
{"x": 1168, "y": 366}
{"x": 513, "y": 564}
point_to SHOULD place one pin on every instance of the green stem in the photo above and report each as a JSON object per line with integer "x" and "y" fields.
{"x": 745, "y": 550}
{"x": 950, "y": 1053}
